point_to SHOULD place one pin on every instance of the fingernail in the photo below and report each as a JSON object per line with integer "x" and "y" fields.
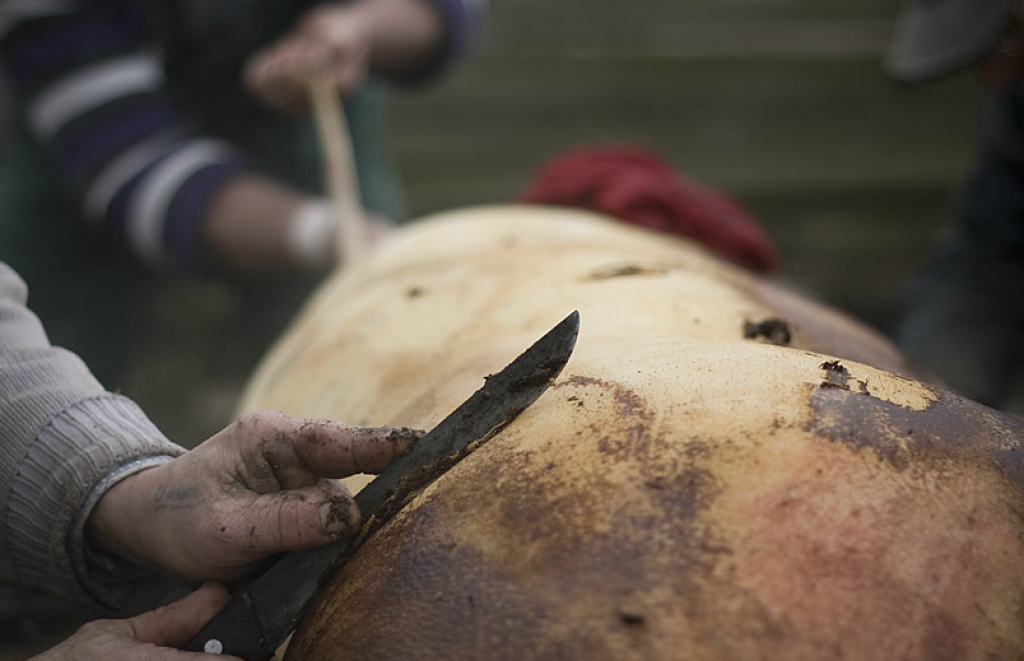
{"x": 339, "y": 517}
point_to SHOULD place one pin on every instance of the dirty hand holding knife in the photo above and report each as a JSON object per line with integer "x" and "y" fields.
{"x": 262, "y": 464}
{"x": 260, "y": 617}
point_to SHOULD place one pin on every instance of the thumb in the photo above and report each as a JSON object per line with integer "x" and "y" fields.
{"x": 175, "y": 624}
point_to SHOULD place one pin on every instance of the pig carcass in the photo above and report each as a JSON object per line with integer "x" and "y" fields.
{"x": 724, "y": 469}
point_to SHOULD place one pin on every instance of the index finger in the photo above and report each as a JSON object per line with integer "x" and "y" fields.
{"x": 333, "y": 449}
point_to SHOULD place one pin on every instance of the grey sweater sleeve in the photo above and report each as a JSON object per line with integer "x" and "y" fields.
{"x": 65, "y": 441}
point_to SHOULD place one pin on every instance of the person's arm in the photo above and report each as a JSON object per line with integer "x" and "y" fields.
{"x": 261, "y": 486}
{"x": 94, "y": 97}
{"x": 97, "y": 506}
{"x": 62, "y": 435}
{"x": 404, "y": 41}
{"x": 251, "y": 224}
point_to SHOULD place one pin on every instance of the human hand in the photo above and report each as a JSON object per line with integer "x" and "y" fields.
{"x": 257, "y": 488}
{"x": 151, "y": 636}
{"x": 330, "y": 39}
{"x": 394, "y": 38}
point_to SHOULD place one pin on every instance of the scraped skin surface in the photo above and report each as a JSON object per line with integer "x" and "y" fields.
{"x": 455, "y": 296}
{"x": 687, "y": 489}
{"x": 630, "y": 514}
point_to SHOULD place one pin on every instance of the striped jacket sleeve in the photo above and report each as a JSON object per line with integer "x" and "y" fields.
{"x": 92, "y": 94}
{"x": 94, "y": 97}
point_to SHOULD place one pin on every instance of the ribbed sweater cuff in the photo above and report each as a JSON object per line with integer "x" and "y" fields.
{"x": 57, "y": 483}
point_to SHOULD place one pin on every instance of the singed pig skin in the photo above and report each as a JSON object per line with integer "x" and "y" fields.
{"x": 687, "y": 489}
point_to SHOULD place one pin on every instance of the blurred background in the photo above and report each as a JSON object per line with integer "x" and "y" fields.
{"x": 781, "y": 103}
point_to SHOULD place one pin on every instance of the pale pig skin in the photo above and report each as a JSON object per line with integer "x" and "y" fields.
{"x": 685, "y": 490}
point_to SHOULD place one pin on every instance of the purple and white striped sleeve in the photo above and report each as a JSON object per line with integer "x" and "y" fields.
{"x": 94, "y": 98}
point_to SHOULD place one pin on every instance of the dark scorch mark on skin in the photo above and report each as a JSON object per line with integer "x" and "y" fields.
{"x": 837, "y": 376}
{"x": 951, "y": 428}
{"x": 773, "y": 331}
{"x": 625, "y": 271}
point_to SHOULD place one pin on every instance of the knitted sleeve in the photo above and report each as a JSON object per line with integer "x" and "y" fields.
{"x": 93, "y": 96}
{"x": 63, "y": 442}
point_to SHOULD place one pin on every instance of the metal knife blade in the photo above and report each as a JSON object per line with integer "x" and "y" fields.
{"x": 259, "y": 618}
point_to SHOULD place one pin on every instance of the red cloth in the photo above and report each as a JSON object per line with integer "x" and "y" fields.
{"x": 636, "y": 186}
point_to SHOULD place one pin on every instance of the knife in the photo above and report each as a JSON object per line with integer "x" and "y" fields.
{"x": 258, "y": 619}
